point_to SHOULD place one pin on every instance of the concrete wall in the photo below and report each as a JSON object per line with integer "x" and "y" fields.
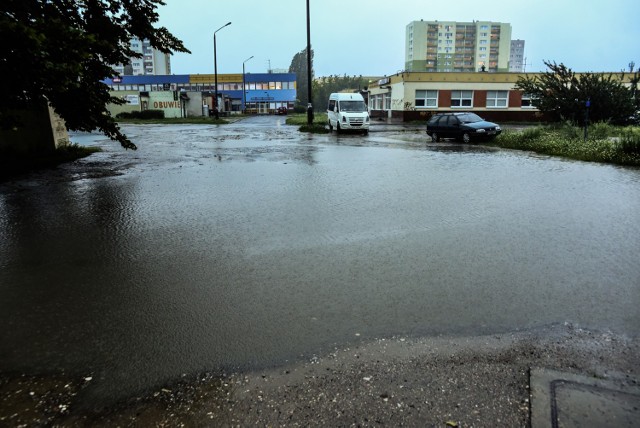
{"x": 38, "y": 132}
{"x": 194, "y": 104}
{"x": 158, "y": 100}
{"x": 134, "y": 102}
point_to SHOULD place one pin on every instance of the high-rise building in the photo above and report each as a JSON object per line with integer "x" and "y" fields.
{"x": 457, "y": 46}
{"x": 516, "y": 58}
{"x": 152, "y": 61}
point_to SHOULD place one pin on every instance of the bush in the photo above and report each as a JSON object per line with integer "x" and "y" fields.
{"x": 568, "y": 141}
{"x": 601, "y": 130}
{"x": 145, "y": 114}
{"x": 570, "y": 132}
{"x": 630, "y": 142}
{"x": 315, "y": 128}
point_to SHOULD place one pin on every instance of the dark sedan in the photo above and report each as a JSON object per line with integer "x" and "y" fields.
{"x": 463, "y": 126}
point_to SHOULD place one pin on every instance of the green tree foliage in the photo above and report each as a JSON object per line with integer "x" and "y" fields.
{"x": 563, "y": 94}
{"x": 324, "y": 86}
{"x": 57, "y": 51}
{"x": 299, "y": 67}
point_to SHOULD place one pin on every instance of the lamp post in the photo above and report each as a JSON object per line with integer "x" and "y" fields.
{"x": 244, "y": 89}
{"x": 309, "y": 105}
{"x": 215, "y": 70}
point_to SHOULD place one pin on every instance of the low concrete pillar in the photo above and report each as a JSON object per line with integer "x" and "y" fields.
{"x": 38, "y": 131}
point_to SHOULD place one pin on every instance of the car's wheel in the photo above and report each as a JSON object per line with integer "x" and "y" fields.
{"x": 466, "y": 138}
{"x": 435, "y": 137}
{"x": 330, "y": 126}
{"x": 338, "y": 129}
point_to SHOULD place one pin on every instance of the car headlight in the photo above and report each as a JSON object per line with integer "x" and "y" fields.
{"x": 344, "y": 119}
{"x": 481, "y": 130}
{"x": 498, "y": 128}
{"x": 367, "y": 119}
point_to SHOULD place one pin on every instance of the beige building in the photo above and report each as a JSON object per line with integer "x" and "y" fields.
{"x": 449, "y": 46}
{"x": 152, "y": 62}
{"x": 417, "y": 96}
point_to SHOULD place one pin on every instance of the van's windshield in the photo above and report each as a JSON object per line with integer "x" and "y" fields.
{"x": 353, "y": 106}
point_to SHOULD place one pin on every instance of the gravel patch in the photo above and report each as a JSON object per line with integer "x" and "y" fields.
{"x": 433, "y": 381}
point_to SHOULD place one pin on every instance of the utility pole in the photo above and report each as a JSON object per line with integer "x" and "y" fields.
{"x": 310, "y": 105}
{"x": 215, "y": 71}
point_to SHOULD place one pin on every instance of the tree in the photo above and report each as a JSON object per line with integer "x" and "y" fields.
{"x": 58, "y": 51}
{"x": 299, "y": 67}
{"x": 324, "y": 86}
{"x": 564, "y": 95}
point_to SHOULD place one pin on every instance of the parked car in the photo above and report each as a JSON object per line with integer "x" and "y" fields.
{"x": 282, "y": 110}
{"x": 463, "y": 126}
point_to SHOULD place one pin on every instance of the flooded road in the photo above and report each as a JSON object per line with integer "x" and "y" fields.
{"x": 247, "y": 245}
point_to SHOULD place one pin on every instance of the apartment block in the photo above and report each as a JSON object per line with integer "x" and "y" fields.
{"x": 449, "y": 46}
{"x": 152, "y": 62}
{"x": 516, "y": 58}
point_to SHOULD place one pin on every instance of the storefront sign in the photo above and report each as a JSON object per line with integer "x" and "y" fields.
{"x": 133, "y": 100}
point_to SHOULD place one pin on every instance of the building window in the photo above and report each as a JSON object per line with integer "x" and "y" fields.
{"x": 497, "y": 98}
{"x": 425, "y": 98}
{"x": 377, "y": 102}
{"x": 387, "y": 101}
{"x": 461, "y": 98}
{"x": 527, "y": 101}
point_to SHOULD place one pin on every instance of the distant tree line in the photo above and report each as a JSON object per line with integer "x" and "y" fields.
{"x": 322, "y": 87}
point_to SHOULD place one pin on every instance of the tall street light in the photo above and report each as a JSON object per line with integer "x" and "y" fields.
{"x": 244, "y": 89}
{"x": 309, "y": 105}
{"x": 215, "y": 69}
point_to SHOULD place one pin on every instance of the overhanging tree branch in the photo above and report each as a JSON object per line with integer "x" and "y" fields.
{"x": 57, "y": 52}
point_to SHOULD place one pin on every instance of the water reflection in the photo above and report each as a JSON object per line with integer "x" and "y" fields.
{"x": 284, "y": 246}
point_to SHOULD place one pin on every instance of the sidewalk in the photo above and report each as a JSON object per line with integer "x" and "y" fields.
{"x": 560, "y": 376}
{"x": 572, "y": 400}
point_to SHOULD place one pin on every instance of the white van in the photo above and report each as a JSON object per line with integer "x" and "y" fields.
{"x": 347, "y": 112}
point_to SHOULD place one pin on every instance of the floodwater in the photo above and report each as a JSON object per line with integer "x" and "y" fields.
{"x": 247, "y": 245}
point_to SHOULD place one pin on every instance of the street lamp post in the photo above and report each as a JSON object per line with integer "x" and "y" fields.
{"x": 215, "y": 70}
{"x": 244, "y": 89}
{"x": 309, "y": 105}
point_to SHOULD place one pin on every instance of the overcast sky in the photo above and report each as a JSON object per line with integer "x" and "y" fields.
{"x": 358, "y": 37}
